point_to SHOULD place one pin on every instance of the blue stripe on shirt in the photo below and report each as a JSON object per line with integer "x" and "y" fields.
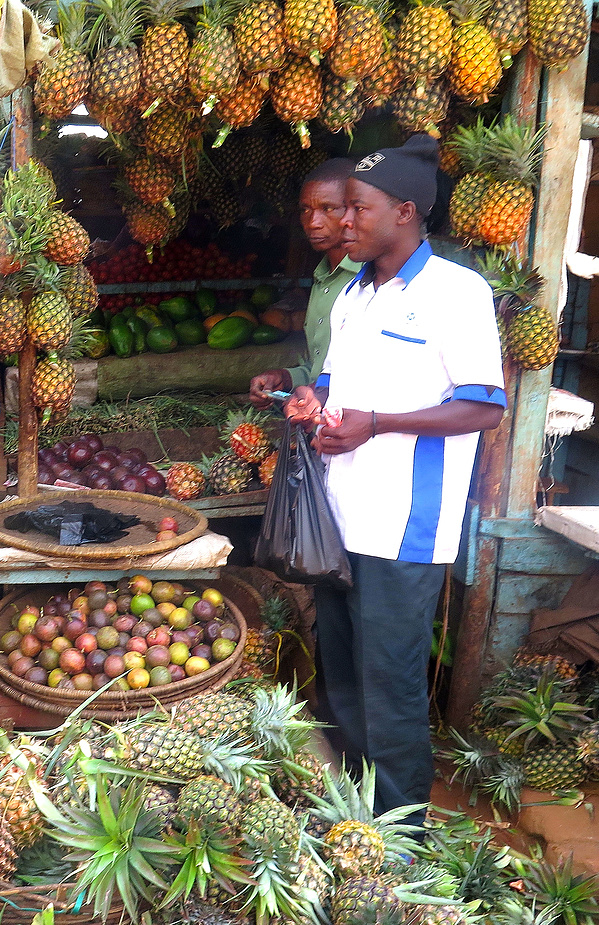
{"x": 480, "y": 393}
{"x": 418, "y": 544}
{"x": 323, "y": 381}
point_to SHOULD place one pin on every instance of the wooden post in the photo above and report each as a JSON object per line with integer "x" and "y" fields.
{"x": 22, "y": 150}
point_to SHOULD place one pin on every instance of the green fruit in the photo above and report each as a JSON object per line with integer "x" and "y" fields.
{"x": 160, "y": 675}
{"x": 179, "y": 308}
{"x": 267, "y": 334}
{"x": 141, "y": 602}
{"x": 190, "y": 600}
{"x": 206, "y": 302}
{"x": 190, "y": 332}
{"x": 148, "y": 315}
{"x": 230, "y": 333}
{"x": 161, "y": 339}
{"x": 121, "y": 339}
{"x": 222, "y": 649}
{"x": 117, "y": 321}
{"x": 139, "y": 328}
{"x": 98, "y": 343}
{"x": 264, "y": 295}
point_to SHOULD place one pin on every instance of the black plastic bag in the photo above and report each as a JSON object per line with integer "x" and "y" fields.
{"x": 299, "y": 539}
{"x": 73, "y": 523}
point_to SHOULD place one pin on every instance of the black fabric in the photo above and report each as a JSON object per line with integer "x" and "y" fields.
{"x": 299, "y": 539}
{"x": 374, "y": 645}
{"x": 73, "y": 523}
{"x": 409, "y": 173}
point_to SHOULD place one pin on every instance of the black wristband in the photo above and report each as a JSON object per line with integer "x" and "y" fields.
{"x": 374, "y": 423}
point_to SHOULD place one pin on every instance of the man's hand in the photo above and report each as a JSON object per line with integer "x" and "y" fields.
{"x": 272, "y": 380}
{"x": 354, "y": 430}
{"x": 303, "y": 407}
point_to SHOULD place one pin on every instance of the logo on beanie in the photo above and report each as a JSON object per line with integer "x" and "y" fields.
{"x": 369, "y": 162}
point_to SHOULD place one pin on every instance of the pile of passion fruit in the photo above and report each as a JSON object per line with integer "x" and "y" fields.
{"x": 136, "y": 633}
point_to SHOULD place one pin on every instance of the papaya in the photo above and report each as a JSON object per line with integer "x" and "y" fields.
{"x": 263, "y": 295}
{"x": 230, "y": 333}
{"x": 277, "y": 318}
{"x": 179, "y": 308}
{"x": 212, "y": 320}
{"x": 139, "y": 329}
{"x": 148, "y": 315}
{"x": 98, "y": 344}
{"x": 161, "y": 339}
{"x": 267, "y": 334}
{"x": 190, "y": 332}
{"x": 121, "y": 339}
{"x": 206, "y": 301}
{"x": 117, "y": 321}
{"x": 244, "y": 313}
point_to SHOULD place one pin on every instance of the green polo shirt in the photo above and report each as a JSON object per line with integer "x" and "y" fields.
{"x": 317, "y": 327}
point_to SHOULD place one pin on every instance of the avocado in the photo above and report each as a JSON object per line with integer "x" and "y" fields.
{"x": 230, "y": 333}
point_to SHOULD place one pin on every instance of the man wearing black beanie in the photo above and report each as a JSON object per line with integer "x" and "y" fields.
{"x": 415, "y": 364}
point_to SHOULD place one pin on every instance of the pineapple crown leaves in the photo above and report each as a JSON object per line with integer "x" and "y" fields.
{"x": 218, "y": 13}
{"x": 275, "y": 723}
{"x": 504, "y": 784}
{"x": 275, "y": 612}
{"x": 470, "y": 143}
{"x": 233, "y": 760}
{"x": 572, "y": 900}
{"x": 275, "y": 891}
{"x": 474, "y": 761}
{"x": 481, "y": 871}
{"x": 166, "y": 11}
{"x": 467, "y": 11}
{"x": 547, "y": 712}
{"x": 382, "y": 8}
{"x": 206, "y": 852}
{"x": 115, "y": 846}
{"x": 515, "y": 286}
{"x": 119, "y": 24}
{"x": 26, "y": 212}
{"x": 515, "y": 151}
{"x": 73, "y": 26}
{"x": 247, "y": 416}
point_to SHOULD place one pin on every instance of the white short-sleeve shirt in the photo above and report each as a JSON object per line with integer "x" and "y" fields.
{"x": 426, "y": 336}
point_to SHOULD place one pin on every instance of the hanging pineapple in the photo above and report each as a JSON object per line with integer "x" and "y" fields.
{"x": 53, "y": 387}
{"x": 424, "y": 43}
{"x": 260, "y": 38}
{"x": 359, "y": 44}
{"x": 64, "y": 80}
{"x": 68, "y": 241}
{"x": 25, "y": 215}
{"x": 513, "y": 158}
{"x": 151, "y": 179}
{"x": 340, "y": 110}
{"x": 147, "y": 224}
{"x": 296, "y": 95}
{"x": 386, "y": 77}
{"x": 470, "y": 144}
{"x": 79, "y": 289}
{"x": 166, "y": 131}
{"x": 213, "y": 61}
{"x": 241, "y": 108}
{"x": 418, "y": 113}
{"x": 558, "y": 30}
{"x": 475, "y": 68}
{"x": 310, "y": 27}
{"x": 13, "y": 327}
{"x": 506, "y": 22}
{"x": 164, "y": 52}
{"x": 116, "y": 70}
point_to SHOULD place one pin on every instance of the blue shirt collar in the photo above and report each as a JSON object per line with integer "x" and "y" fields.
{"x": 411, "y": 268}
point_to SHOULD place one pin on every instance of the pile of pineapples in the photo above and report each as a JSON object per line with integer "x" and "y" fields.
{"x": 536, "y": 726}
{"x": 219, "y": 813}
{"x": 160, "y": 78}
{"x": 46, "y": 292}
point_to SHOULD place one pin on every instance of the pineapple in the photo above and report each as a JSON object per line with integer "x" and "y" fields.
{"x": 296, "y": 95}
{"x": 418, "y": 113}
{"x": 384, "y": 80}
{"x": 555, "y": 663}
{"x": 267, "y": 467}
{"x": 215, "y": 714}
{"x": 557, "y": 30}
{"x": 64, "y": 80}
{"x": 79, "y": 289}
{"x": 162, "y": 801}
{"x": 68, "y": 241}
{"x": 359, "y": 44}
{"x": 340, "y": 110}
{"x": 162, "y": 748}
{"x": 210, "y": 800}
{"x": 116, "y": 119}
{"x": 424, "y": 44}
{"x": 213, "y": 61}
{"x": 151, "y": 179}
{"x": 588, "y": 749}
{"x": 18, "y": 809}
{"x": 53, "y": 386}
{"x": 553, "y": 767}
{"x": 8, "y": 262}
{"x": 506, "y": 22}
{"x": 475, "y": 68}
{"x": 149, "y": 225}
{"x": 184, "y": 481}
{"x": 532, "y": 338}
{"x": 49, "y": 320}
{"x": 310, "y": 28}
{"x": 354, "y": 848}
{"x": 356, "y": 897}
{"x": 246, "y": 436}
{"x": 241, "y": 108}
{"x": 296, "y": 778}
{"x": 262, "y": 645}
{"x": 116, "y": 71}
{"x": 8, "y": 855}
{"x": 167, "y": 131}
{"x": 260, "y": 39}
{"x": 513, "y": 157}
{"x": 227, "y": 474}
{"x": 470, "y": 144}
{"x": 164, "y": 53}
{"x": 270, "y": 819}
{"x": 13, "y": 325}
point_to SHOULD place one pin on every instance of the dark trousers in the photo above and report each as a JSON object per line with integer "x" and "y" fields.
{"x": 373, "y": 649}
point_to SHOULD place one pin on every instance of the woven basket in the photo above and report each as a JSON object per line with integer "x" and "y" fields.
{"x": 112, "y": 705}
{"x": 19, "y": 904}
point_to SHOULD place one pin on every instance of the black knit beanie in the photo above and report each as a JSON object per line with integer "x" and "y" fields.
{"x": 409, "y": 173}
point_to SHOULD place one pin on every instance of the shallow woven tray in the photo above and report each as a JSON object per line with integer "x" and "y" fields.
{"x": 112, "y": 705}
{"x": 140, "y": 540}
{"x": 19, "y": 904}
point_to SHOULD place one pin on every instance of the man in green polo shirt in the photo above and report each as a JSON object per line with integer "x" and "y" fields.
{"x": 322, "y": 206}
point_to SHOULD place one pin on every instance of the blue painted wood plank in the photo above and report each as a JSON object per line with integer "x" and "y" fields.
{"x": 523, "y": 593}
{"x": 541, "y": 555}
{"x": 52, "y": 576}
{"x": 510, "y": 527}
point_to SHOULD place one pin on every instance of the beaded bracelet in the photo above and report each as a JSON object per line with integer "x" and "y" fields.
{"x": 374, "y": 423}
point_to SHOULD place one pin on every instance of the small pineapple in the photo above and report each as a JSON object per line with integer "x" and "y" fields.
{"x": 553, "y": 767}
{"x": 68, "y": 241}
{"x": 270, "y": 819}
{"x": 296, "y": 95}
{"x": 359, "y": 44}
{"x": 310, "y": 28}
{"x": 475, "y": 68}
{"x": 214, "y": 714}
{"x": 295, "y": 779}
{"x": 116, "y": 71}
{"x": 241, "y": 108}
{"x": 506, "y": 22}
{"x": 554, "y": 663}
{"x": 588, "y": 749}
{"x": 355, "y": 849}
{"x": 424, "y": 44}
{"x": 557, "y": 30}
{"x": 210, "y": 800}
{"x": 357, "y": 897}
{"x": 13, "y": 325}
{"x": 161, "y": 748}
{"x": 246, "y": 436}
{"x": 387, "y": 75}
{"x": 8, "y": 854}
{"x": 260, "y": 39}
{"x": 267, "y": 467}
{"x": 213, "y": 62}
{"x": 151, "y": 179}
{"x": 149, "y": 225}
{"x": 53, "y": 386}
{"x": 418, "y": 113}
{"x": 49, "y": 320}
{"x": 470, "y": 143}
{"x": 184, "y": 481}
{"x": 532, "y": 338}
{"x": 64, "y": 80}
{"x": 18, "y": 809}
{"x": 79, "y": 289}
{"x": 162, "y": 801}
{"x": 164, "y": 52}
{"x": 227, "y": 474}
{"x": 340, "y": 110}
{"x": 166, "y": 131}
